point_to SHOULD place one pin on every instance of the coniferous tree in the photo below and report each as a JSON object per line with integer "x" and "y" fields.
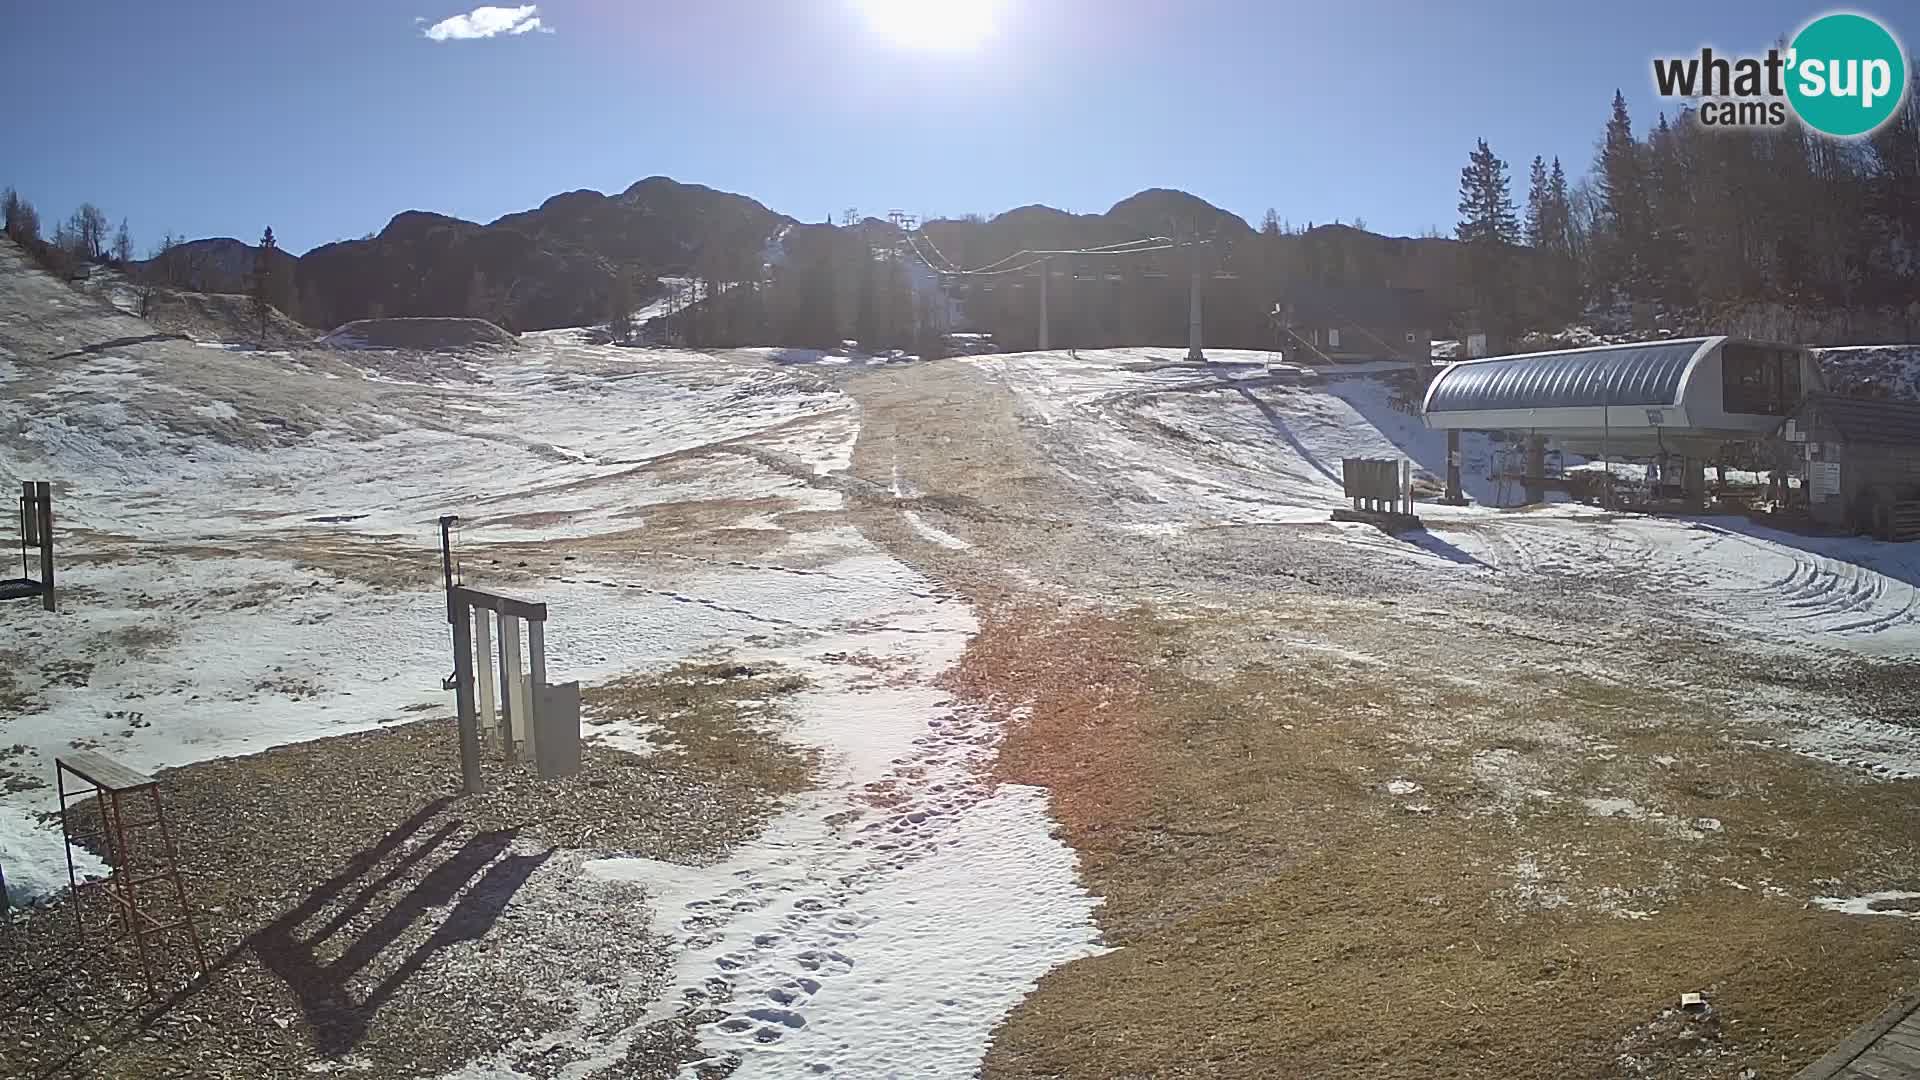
{"x": 1537, "y": 197}
{"x": 1486, "y": 203}
{"x": 264, "y": 287}
{"x": 1489, "y": 229}
{"x": 1623, "y": 254}
{"x": 1670, "y": 199}
{"x": 22, "y": 220}
{"x": 620, "y": 302}
{"x": 1559, "y": 244}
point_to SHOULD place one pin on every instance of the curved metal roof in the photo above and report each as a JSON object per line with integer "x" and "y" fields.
{"x": 1649, "y": 373}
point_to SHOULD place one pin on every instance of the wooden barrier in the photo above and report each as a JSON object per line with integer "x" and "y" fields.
{"x": 1378, "y": 485}
{"x": 532, "y": 714}
{"x": 36, "y": 533}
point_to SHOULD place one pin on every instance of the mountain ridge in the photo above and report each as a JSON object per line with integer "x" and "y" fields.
{"x": 553, "y": 265}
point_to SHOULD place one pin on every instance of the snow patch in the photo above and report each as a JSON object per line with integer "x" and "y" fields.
{"x": 1874, "y": 903}
{"x": 33, "y": 857}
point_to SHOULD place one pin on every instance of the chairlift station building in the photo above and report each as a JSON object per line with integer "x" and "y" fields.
{"x": 1685, "y": 397}
{"x": 1687, "y": 401}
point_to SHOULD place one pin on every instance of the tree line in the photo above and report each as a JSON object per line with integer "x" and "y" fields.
{"x": 831, "y": 285}
{"x": 87, "y": 238}
{"x": 1702, "y": 225}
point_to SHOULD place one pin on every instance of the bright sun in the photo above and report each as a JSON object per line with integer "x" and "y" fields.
{"x": 933, "y": 24}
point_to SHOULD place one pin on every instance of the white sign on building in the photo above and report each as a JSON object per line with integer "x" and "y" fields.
{"x": 1823, "y": 480}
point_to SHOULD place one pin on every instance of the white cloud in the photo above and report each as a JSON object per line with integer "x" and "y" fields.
{"x": 486, "y": 22}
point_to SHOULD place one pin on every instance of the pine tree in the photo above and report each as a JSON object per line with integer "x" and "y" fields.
{"x": 1537, "y": 199}
{"x": 1557, "y": 226}
{"x": 1670, "y": 213}
{"x": 1488, "y": 229}
{"x": 620, "y": 305}
{"x": 1624, "y": 210}
{"x": 22, "y": 221}
{"x": 1486, "y": 204}
{"x": 123, "y": 245}
{"x": 263, "y": 290}
{"x": 1559, "y": 245}
{"x": 1270, "y": 224}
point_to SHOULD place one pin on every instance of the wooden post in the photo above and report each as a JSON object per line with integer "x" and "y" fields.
{"x": 1536, "y": 479}
{"x": 510, "y": 716}
{"x": 513, "y": 686}
{"x": 483, "y": 674}
{"x": 1045, "y": 341}
{"x": 463, "y": 700}
{"x": 1453, "y": 467}
{"x": 43, "y": 495}
{"x": 1194, "y": 352}
{"x": 536, "y": 681}
{"x": 29, "y": 515}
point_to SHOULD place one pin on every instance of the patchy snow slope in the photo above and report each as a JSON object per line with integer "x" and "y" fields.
{"x": 1180, "y": 445}
{"x": 249, "y": 558}
{"x": 1176, "y": 447}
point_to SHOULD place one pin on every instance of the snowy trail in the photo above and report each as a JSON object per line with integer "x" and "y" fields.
{"x": 883, "y": 923}
{"x": 848, "y": 940}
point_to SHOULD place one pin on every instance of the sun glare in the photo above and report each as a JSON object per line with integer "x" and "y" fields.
{"x": 933, "y": 24}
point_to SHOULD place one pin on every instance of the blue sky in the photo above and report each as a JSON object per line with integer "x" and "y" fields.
{"x": 217, "y": 117}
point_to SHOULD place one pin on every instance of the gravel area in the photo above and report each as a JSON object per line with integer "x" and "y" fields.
{"x": 362, "y": 916}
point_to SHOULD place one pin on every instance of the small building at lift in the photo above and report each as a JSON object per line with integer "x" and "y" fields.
{"x": 1684, "y": 398}
{"x": 1862, "y": 462}
{"x": 1342, "y": 323}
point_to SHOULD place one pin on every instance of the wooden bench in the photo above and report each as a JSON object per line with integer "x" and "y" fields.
{"x": 102, "y": 771}
{"x": 147, "y": 897}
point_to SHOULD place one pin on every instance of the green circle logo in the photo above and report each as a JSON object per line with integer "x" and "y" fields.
{"x": 1846, "y": 75}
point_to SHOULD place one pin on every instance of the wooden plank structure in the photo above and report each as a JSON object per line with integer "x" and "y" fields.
{"x": 531, "y": 712}
{"x": 536, "y": 722}
{"x": 1378, "y": 485}
{"x": 1382, "y": 494}
{"x": 1884, "y": 1048}
{"x": 36, "y": 532}
{"x": 148, "y": 897}
{"x": 1902, "y": 522}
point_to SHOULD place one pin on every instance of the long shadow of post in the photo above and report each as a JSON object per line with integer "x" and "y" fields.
{"x": 339, "y": 1021}
{"x": 1280, "y": 425}
{"x": 1428, "y": 542}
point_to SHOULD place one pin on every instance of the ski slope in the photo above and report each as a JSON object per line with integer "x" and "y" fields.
{"x": 249, "y": 550}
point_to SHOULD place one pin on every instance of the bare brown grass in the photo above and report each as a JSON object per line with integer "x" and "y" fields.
{"x": 1280, "y": 911}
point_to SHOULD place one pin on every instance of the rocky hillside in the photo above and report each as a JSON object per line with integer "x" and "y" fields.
{"x": 551, "y": 266}
{"x": 219, "y": 264}
{"x": 536, "y": 269}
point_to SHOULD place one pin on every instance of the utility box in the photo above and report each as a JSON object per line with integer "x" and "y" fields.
{"x": 556, "y": 741}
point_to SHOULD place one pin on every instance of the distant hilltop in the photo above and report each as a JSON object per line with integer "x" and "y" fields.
{"x": 552, "y": 265}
